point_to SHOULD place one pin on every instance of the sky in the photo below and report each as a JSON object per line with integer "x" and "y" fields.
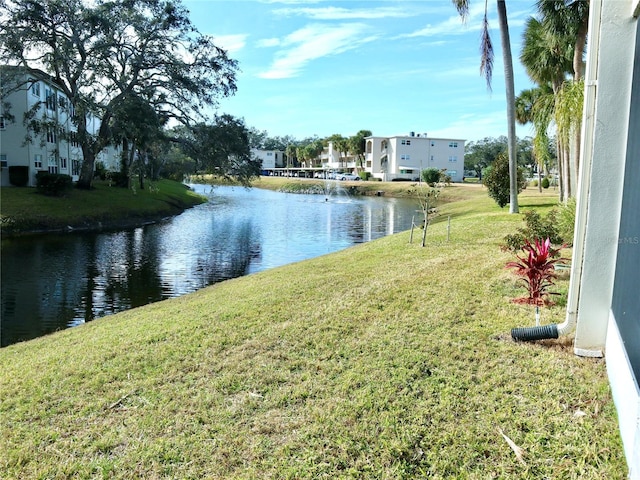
{"x": 316, "y": 68}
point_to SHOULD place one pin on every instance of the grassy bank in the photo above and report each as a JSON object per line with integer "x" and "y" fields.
{"x": 293, "y": 185}
{"x": 385, "y": 360}
{"x": 23, "y": 210}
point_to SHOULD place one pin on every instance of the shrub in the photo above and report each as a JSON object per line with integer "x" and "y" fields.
{"x": 431, "y": 176}
{"x": 118, "y": 179}
{"x": 536, "y": 227}
{"x": 534, "y": 183}
{"x": 100, "y": 171}
{"x": 19, "y": 175}
{"x": 53, "y": 184}
{"x": 545, "y": 182}
{"x": 498, "y": 182}
{"x": 364, "y": 175}
{"x": 536, "y": 268}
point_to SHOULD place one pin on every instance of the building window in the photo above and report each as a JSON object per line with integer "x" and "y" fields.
{"x": 405, "y": 157}
{"x": 406, "y": 142}
{"x": 269, "y": 154}
{"x": 73, "y": 139}
{"x": 2, "y": 123}
{"x": 53, "y": 166}
{"x": 50, "y": 99}
{"x": 452, "y": 173}
{"x": 453, "y": 158}
{"x": 405, "y": 170}
{"x": 35, "y": 89}
{"x": 3, "y": 161}
{"x": 37, "y": 161}
{"x": 51, "y": 135}
{"x": 63, "y": 163}
{"x": 75, "y": 167}
{"x": 433, "y": 144}
{"x": 432, "y": 158}
{"x": 453, "y": 144}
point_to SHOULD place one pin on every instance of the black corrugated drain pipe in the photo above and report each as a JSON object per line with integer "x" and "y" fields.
{"x": 528, "y": 334}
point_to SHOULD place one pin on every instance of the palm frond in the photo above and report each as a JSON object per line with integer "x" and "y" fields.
{"x": 462, "y": 6}
{"x": 568, "y": 108}
{"x": 486, "y": 51}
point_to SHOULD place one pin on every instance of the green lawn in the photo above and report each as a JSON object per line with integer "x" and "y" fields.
{"x": 25, "y": 210}
{"x": 382, "y": 361}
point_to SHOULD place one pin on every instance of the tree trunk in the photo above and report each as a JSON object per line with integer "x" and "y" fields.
{"x": 566, "y": 172}
{"x": 511, "y": 106}
{"x": 560, "y": 170}
{"x": 540, "y": 178}
{"x": 578, "y": 74}
{"x": 578, "y": 50}
{"x": 575, "y": 164}
{"x": 141, "y": 161}
{"x": 85, "y": 180}
{"x": 132, "y": 156}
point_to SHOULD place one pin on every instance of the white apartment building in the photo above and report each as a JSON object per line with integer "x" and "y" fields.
{"x": 405, "y": 156}
{"x": 270, "y": 158}
{"x": 47, "y": 151}
{"x": 332, "y": 159}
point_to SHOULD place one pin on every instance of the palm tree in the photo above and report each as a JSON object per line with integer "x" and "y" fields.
{"x": 546, "y": 57}
{"x": 568, "y": 118}
{"x": 525, "y": 111}
{"x": 486, "y": 68}
{"x": 570, "y": 18}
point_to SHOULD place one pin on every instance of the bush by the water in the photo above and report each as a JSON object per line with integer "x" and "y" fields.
{"x": 431, "y": 176}
{"x": 53, "y": 184}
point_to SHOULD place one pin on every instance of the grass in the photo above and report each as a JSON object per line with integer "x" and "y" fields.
{"x": 385, "y": 360}
{"x": 23, "y": 210}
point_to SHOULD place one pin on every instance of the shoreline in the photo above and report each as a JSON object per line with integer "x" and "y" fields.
{"x": 26, "y": 213}
{"x": 26, "y": 223}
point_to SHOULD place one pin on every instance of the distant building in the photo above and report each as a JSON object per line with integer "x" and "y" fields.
{"x": 404, "y": 157}
{"x": 52, "y": 150}
{"x": 270, "y": 158}
{"x": 332, "y": 159}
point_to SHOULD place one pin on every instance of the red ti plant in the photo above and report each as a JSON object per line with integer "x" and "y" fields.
{"x": 537, "y": 270}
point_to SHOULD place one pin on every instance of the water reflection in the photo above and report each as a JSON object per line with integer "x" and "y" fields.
{"x": 58, "y": 281}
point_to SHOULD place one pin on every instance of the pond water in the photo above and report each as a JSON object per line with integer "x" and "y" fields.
{"x": 53, "y": 282}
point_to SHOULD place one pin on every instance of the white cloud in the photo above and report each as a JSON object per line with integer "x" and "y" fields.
{"x": 312, "y": 42}
{"x": 453, "y": 25}
{"x": 231, "y": 43}
{"x": 290, "y": 2}
{"x": 339, "y": 13}
{"x": 268, "y": 42}
{"x": 473, "y": 127}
